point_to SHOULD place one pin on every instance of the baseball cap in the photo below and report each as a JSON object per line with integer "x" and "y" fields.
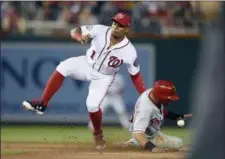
{"x": 122, "y": 18}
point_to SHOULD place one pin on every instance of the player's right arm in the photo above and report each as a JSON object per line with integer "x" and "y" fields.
{"x": 76, "y": 34}
{"x": 84, "y": 33}
{"x": 141, "y": 122}
{"x": 172, "y": 116}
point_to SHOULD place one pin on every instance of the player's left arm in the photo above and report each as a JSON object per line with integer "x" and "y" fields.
{"x": 135, "y": 74}
{"x": 171, "y": 115}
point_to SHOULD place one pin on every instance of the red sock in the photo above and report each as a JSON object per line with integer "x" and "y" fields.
{"x": 54, "y": 83}
{"x": 96, "y": 119}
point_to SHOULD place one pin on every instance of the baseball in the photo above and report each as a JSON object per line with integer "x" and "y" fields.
{"x": 180, "y": 123}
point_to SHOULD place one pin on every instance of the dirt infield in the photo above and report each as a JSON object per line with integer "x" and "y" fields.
{"x": 37, "y": 150}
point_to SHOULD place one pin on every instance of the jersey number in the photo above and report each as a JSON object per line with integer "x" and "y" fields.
{"x": 114, "y": 62}
{"x": 93, "y": 54}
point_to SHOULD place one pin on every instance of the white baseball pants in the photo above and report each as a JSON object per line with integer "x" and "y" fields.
{"x": 79, "y": 69}
{"x": 161, "y": 140}
{"x": 116, "y": 102}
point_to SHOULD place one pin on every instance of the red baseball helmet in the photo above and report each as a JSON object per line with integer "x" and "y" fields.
{"x": 165, "y": 91}
{"x": 122, "y": 18}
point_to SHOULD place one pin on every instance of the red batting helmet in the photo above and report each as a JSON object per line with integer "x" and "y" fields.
{"x": 165, "y": 90}
{"x": 122, "y": 18}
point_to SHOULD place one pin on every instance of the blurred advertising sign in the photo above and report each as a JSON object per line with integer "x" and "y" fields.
{"x": 26, "y": 67}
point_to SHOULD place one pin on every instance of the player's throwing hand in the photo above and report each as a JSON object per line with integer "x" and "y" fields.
{"x": 79, "y": 37}
{"x": 84, "y": 38}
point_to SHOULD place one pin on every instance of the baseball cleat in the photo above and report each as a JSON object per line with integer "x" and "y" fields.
{"x": 99, "y": 141}
{"x": 35, "y": 106}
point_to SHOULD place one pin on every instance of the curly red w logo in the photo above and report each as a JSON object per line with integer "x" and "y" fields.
{"x": 114, "y": 62}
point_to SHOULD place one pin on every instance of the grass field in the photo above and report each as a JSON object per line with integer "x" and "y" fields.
{"x": 17, "y": 140}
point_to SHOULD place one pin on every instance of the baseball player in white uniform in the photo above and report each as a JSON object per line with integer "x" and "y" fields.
{"x": 148, "y": 117}
{"x": 109, "y": 49}
{"x": 114, "y": 99}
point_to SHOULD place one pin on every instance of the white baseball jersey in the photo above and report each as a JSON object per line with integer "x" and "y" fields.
{"x": 107, "y": 60}
{"x": 117, "y": 86}
{"x": 147, "y": 117}
{"x": 100, "y": 63}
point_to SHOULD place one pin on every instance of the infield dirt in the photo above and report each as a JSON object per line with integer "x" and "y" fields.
{"x": 42, "y": 150}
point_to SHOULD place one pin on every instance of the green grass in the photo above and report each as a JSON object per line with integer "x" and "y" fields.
{"x": 72, "y": 134}
{"x": 11, "y": 152}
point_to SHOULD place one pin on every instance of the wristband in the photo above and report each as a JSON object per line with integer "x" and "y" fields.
{"x": 149, "y": 146}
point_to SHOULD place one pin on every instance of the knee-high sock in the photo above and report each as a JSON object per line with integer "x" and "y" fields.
{"x": 96, "y": 119}
{"x": 54, "y": 83}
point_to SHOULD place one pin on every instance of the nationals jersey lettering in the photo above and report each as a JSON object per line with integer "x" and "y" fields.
{"x": 147, "y": 117}
{"x": 114, "y": 62}
{"x": 108, "y": 60}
